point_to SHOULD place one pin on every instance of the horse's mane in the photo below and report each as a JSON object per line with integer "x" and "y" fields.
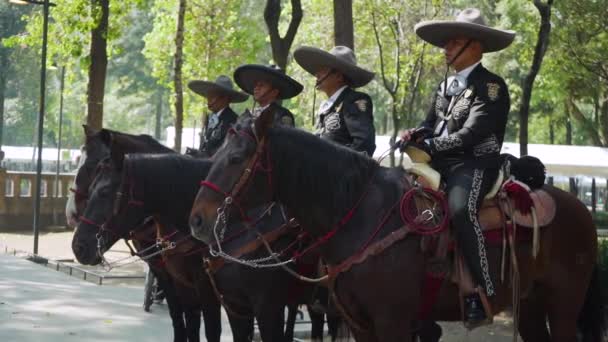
{"x": 136, "y": 143}
{"x": 336, "y": 174}
{"x": 173, "y": 175}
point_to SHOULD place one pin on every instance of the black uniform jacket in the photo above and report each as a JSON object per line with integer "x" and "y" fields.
{"x": 475, "y": 121}
{"x": 350, "y": 122}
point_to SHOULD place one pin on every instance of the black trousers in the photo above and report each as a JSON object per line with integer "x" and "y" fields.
{"x": 466, "y": 188}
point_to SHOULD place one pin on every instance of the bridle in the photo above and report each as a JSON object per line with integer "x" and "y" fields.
{"x": 261, "y": 162}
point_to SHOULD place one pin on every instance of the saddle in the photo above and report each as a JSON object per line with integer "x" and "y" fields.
{"x": 515, "y": 200}
{"x": 504, "y": 198}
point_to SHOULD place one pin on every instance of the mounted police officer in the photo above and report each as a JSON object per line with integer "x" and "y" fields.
{"x": 219, "y": 95}
{"x": 347, "y": 116}
{"x": 467, "y": 122}
{"x": 268, "y": 85}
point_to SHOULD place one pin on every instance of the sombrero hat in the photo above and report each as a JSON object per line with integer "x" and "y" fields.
{"x": 222, "y": 85}
{"x": 246, "y": 76}
{"x": 341, "y": 58}
{"x": 468, "y": 23}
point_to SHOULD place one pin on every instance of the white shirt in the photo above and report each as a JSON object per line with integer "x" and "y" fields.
{"x": 467, "y": 71}
{"x": 464, "y": 73}
{"x": 214, "y": 119}
{"x": 331, "y": 100}
{"x": 258, "y": 110}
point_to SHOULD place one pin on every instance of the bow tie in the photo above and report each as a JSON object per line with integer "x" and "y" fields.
{"x": 456, "y": 84}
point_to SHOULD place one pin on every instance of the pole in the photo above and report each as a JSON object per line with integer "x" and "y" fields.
{"x": 45, "y": 26}
{"x": 61, "y": 87}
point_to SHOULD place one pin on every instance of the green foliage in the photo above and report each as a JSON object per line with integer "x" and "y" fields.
{"x": 222, "y": 34}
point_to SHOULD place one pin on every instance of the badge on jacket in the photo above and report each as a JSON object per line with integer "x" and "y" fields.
{"x": 493, "y": 90}
{"x": 361, "y": 104}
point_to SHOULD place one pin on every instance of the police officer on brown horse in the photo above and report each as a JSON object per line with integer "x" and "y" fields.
{"x": 466, "y": 125}
{"x": 219, "y": 95}
{"x": 347, "y": 116}
{"x": 268, "y": 85}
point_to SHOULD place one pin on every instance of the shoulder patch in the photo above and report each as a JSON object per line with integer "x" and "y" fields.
{"x": 493, "y": 91}
{"x": 361, "y": 104}
{"x": 287, "y": 120}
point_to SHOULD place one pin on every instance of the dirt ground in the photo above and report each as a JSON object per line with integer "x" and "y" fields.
{"x": 57, "y": 246}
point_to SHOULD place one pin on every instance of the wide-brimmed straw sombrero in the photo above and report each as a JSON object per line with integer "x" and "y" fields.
{"x": 469, "y": 23}
{"x": 246, "y": 76}
{"x": 222, "y": 85}
{"x": 341, "y": 58}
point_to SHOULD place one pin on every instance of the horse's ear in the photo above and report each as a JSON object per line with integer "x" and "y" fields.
{"x": 88, "y": 131}
{"x": 106, "y": 137}
{"x": 264, "y": 122}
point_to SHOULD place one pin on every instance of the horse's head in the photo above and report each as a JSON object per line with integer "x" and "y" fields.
{"x": 96, "y": 148}
{"x": 93, "y": 236}
{"x": 240, "y": 178}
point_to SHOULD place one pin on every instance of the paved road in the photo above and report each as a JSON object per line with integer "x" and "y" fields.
{"x": 40, "y": 304}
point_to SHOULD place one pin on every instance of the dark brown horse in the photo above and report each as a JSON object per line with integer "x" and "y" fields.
{"x": 246, "y": 292}
{"x": 184, "y": 317}
{"x": 347, "y": 201}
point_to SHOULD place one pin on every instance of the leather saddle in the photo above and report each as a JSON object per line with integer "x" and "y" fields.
{"x": 496, "y": 202}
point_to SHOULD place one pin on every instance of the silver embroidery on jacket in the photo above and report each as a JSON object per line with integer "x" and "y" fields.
{"x": 487, "y": 146}
{"x": 447, "y": 143}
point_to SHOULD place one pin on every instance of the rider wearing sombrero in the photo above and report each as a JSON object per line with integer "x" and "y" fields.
{"x": 466, "y": 126}
{"x": 347, "y": 116}
{"x": 267, "y": 85}
{"x": 219, "y": 95}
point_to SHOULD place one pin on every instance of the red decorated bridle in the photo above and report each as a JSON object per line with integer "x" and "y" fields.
{"x": 260, "y": 161}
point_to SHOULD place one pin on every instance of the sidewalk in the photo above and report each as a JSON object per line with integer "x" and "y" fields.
{"x": 39, "y": 304}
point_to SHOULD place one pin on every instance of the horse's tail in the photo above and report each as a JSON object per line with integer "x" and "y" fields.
{"x": 592, "y": 320}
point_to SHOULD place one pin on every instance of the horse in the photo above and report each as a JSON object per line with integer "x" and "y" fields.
{"x": 96, "y": 148}
{"x": 245, "y": 292}
{"x": 185, "y": 319}
{"x": 348, "y": 202}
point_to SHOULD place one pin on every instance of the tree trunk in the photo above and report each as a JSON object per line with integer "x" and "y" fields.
{"x": 98, "y": 67}
{"x": 177, "y": 77}
{"x": 593, "y": 196}
{"x": 281, "y": 45}
{"x": 159, "y": 114}
{"x": 572, "y": 181}
{"x": 3, "y": 80}
{"x": 606, "y": 196}
{"x": 344, "y": 33}
{"x": 539, "y": 52}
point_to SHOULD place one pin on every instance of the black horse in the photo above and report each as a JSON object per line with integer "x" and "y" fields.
{"x": 246, "y": 292}
{"x": 348, "y": 203}
{"x": 184, "y": 317}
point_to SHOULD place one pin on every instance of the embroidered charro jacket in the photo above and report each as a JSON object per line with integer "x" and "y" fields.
{"x": 475, "y": 121}
{"x": 350, "y": 122}
{"x": 282, "y": 116}
{"x": 216, "y": 129}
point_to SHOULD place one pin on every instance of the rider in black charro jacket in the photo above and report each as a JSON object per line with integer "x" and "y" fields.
{"x": 347, "y": 116}
{"x": 219, "y": 95}
{"x": 467, "y": 121}
{"x": 267, "y": 85}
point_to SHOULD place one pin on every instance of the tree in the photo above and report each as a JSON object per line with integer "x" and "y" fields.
{"x": 344, "y": 33}
{"x": 281, "y": 45}
{"x": 177, "y": 76}
{"x": 10, "y": 24}
{"x": 402, "y": 57}
{"x": 98, "y": 64}
{"x": 541, "y": 47}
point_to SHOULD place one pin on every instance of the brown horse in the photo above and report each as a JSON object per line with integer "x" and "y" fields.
{"x": 347, "y": 201}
